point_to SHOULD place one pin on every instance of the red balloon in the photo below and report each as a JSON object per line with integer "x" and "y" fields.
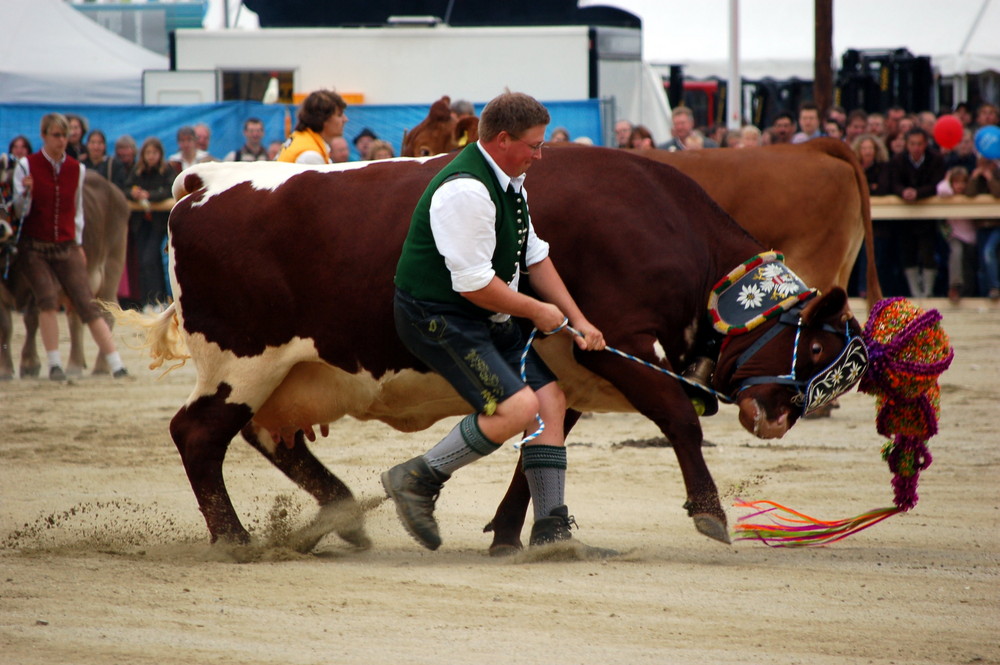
{"x": 948, "y": 131}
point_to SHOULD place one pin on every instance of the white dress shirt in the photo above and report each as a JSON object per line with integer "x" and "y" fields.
{"x": 463, "y": 222}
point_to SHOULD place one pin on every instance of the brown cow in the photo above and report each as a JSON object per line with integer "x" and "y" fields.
{"x": 105, "y": 231}
{"x": 290, "y": 330}
{"x": 439, "y": 132}
{"x": 810, "y": 199}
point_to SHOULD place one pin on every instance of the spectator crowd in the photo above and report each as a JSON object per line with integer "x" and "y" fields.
{"x": 145, "y": 173}
{"x": 897, "y": 150}
{"x": 899, "y": 154}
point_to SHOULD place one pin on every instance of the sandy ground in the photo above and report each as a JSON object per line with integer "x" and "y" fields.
{"x": 104, "y": 557}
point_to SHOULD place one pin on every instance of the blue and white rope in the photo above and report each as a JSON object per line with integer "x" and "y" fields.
{"x": 524, "y": 377}
{"x": 20, "y": 227}
{"x": 565, "y": 324}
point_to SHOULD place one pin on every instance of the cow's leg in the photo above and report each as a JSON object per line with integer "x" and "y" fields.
{"x": 6, "y": 335}
{"x": 77, "y": 359}
{"x": 202, "y": 430}
{"x": 30, "y": 364}
{"x": 508, "y": 521}
{"x": 339, "y": 511}
{"x": 662, "y": 399}
{"x": 77, "y": 362}
{"x": 101, "y": 365}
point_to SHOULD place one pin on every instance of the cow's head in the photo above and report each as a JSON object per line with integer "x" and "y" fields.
{"x": 7, "y": 164}
{"x": 792, "y": 364}
{"x": 6, "y": 184}
{"x": 439, "y": 132}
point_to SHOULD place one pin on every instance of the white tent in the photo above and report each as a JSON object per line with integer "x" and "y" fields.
{"x": 53, "y": 54}
{"x": 776, "y": 37}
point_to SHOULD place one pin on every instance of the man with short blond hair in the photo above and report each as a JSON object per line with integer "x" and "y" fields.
{"x": 683, "y": 120}
{"x": 48, "y": 195}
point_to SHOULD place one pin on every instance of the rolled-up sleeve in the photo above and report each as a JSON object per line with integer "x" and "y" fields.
{"x": 78, "y": 219}
{"x": 537, "y": 250}
{"x": 22, "y": 203}
{"x": 463, "y": 221}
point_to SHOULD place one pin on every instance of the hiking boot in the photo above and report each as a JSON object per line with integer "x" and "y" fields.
{"x": 554, "y": 528}
{"x": 414, "y": 486}
{"x": 56, "y": 373}
{"x": 120, "y": 373}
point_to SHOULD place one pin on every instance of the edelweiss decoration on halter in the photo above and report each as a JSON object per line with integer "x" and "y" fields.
{"x": 755, "y": 291}
{"x": 908, "y": 350}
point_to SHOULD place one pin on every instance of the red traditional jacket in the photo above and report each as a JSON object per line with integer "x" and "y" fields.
{"x": 52, "y": 217}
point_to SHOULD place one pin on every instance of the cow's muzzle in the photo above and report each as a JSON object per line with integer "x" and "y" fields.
{"x": 754, "y": 418}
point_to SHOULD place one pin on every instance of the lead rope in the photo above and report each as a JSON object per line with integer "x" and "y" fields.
{"x": 565, "y": 325}
{"x": 13, "y": 249}
{"x": 17, "y": 236}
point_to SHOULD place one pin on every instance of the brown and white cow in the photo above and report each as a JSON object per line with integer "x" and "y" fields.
{"x": 809, "y": 199}
{"x": 105, "y": 235}
{"x": 283, "y": 282}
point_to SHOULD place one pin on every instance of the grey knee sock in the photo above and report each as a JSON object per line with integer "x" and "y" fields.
{"x": 462, "y": 445}
{"x": 545, "y": 469}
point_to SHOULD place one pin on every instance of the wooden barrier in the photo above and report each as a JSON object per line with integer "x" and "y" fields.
{"x": 160, "y": 206}
{"x": 984, "y": 206}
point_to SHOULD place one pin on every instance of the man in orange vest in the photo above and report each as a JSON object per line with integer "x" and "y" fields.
{"x": 321, "y": 118}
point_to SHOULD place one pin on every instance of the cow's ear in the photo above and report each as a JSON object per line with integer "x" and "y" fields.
{"x": 440, "y": 110}
{"x": 467, "y": 130}
{"x": 831, "y": 308}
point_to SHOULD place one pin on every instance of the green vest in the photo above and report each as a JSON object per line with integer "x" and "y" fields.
{"x": 421, "y": 271}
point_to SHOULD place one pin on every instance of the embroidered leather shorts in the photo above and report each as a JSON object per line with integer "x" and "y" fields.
{"x": 480, "y": 358}
{"x": 45, "y": 266}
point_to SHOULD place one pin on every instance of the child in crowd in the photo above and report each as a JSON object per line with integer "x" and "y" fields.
{"x": 961, "y": 233}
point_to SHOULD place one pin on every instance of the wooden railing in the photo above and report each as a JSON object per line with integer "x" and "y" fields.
{"x": 159, "y": 206}
{"x": 984, "y": 206}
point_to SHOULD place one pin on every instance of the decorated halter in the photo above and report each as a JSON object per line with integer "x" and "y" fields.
{"x": 764, "y": 288}
{"x": 909, "y": 351}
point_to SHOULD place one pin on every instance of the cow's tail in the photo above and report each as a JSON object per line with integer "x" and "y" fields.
{"x": 840, "y": 150}
{"x": 873, "y": 288}
{"x": 161, "y": 332}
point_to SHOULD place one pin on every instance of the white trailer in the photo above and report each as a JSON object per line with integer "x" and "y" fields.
{"x": 416, "y": 65}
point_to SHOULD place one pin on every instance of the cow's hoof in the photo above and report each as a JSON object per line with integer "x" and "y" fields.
{"x": 356, "y": 538}
{"x": 343, "y": 517}
{"x": 502, "y": 550}
{"x": 712, "y": 526}
{"x": 30, "y": 372}
{"x": 74, "y": 370}
{"x": 7, "y": 377}
{"x": 499, "y": 548}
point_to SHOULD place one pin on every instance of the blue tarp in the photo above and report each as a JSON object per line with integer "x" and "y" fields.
{"x": 580, "y": 118}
